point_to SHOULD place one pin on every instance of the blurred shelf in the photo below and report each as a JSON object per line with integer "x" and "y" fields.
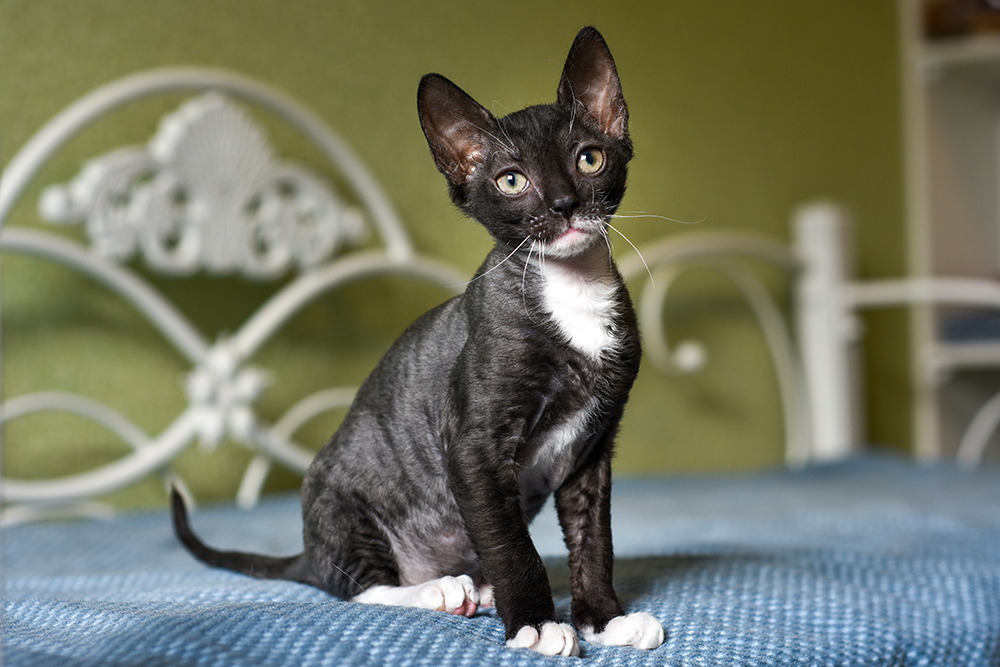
{"x": 981, "y": 49}
{"x": 966, "y": 355}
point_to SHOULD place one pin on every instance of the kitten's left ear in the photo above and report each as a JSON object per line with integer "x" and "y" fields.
{"x": 590, "y": 80}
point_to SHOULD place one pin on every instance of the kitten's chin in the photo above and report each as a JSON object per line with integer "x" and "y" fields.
{"x": 571, "y": 243}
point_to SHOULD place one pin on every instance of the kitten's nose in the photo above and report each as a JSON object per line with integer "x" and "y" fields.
{"x": 565, "y": 206}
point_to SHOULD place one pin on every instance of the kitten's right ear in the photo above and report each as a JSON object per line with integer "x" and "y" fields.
{"x": 456, "y": 126}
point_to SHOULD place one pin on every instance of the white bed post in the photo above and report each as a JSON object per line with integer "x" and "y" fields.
{"x": 827, "y": 330}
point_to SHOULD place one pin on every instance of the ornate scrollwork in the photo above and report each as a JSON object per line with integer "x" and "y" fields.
{"x": 222, "y": 393}
{"x": 206, "y": 193}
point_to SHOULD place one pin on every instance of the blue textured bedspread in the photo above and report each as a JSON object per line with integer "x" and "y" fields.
{"x": 872, "y": 562}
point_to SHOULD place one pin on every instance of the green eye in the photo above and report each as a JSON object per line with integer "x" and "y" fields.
{"x": 590, "y": 161}
{"x": 512, "y": 182}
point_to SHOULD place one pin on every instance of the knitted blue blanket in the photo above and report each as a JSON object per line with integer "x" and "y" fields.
{"x": 871, "y": 562}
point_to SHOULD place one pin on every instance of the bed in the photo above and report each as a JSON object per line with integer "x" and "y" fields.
{"x": 842, "y": 557}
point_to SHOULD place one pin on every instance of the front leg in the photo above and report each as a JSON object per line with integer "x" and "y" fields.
{"x": 583, "y": 503}
{"x": 485, "y": 486}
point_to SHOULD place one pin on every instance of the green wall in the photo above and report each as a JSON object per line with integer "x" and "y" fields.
{"x": 739, "y": 112}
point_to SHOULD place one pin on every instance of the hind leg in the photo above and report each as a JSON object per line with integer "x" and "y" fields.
{"x": 454, "y": 595}
{"x": 354, "y": 558}
{"x": 347, "y": 550}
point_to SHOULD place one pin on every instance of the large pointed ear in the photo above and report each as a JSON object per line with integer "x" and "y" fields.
{"x": 590, "y": 81}
{"x": 456, "y": 126}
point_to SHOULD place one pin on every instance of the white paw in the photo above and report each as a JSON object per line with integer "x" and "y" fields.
{"x": 552, "y": 639}
{"x": 640, "y": 630}
{"x": 454, "y": 595}
{"x": 485, "y": 596}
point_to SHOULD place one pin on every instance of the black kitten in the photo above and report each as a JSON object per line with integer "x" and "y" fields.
{"x": 496, "y": 399}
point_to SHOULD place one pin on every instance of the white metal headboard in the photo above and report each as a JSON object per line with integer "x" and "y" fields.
{"x": 727, "y": 253}
{"x": 206, "y": 193}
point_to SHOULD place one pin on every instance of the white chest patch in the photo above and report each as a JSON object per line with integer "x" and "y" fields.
{"x": 553, "y": 461}
{"x": 582, "y": 306}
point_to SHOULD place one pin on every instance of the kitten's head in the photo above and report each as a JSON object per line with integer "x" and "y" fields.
{"x": 551, "y": 174}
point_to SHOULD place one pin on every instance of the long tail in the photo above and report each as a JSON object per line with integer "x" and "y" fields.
{"x": 294, "y": 568}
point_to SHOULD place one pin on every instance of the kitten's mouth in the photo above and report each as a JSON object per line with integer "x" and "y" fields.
{"x": 571, "y": 241}
{"x": 571, "y": 234}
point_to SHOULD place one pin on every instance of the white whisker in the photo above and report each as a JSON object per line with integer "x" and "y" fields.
{"x": 353, "y": 580}
{"x": 572, "y": 107}
{"x": 510, "y": 142}
{"x": 506, "y": 141}
{"x": 524, "y": 275}
{"x": 607, "y": 242}
{"x": 643, "y": 259}
{"x": 498, "y": 265}
{"x": 659, "y": 217}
